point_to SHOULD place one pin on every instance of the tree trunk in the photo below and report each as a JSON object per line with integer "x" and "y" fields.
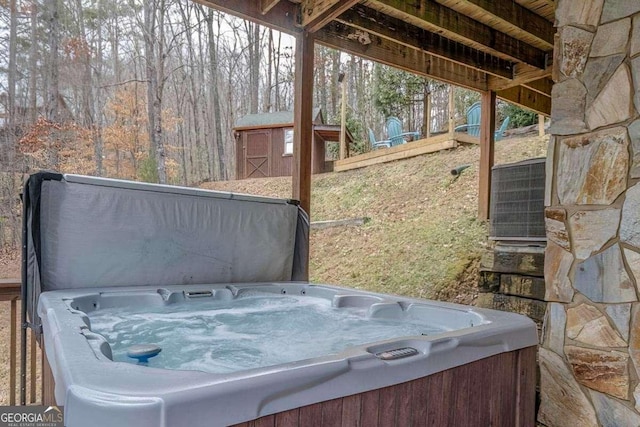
{"x": 277, "y": 73}
{"x": 253, "y": 36}
{"x": 98, "y": 123}
{"x": 52, "y": 76}
{"x": 214, "y": 100}
{"x": 194, "y": 104}
{"x": 153, "y": 40}
{"x": 33, "y": 65}
{"x": 426, "y": 113}
{"x": 86, "y": 85}
{"x": 321, "y": 55}
{"x": 335, "y": 71}
{"x": 13, "y": 70}
{"x": 8, "y": 144}
{"x": 268, "y": 87}
{"x": 53, "y": 81}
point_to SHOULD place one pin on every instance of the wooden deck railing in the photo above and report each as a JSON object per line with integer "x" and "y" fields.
{"x": 10, "y": 292}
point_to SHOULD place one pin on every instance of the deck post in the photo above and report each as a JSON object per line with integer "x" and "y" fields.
{"x": 452, "y": 111}
{"x": 343, "y": 117}
{"x": 13, "y": 349}
{"x": 540, "y": 125}
{"x": 487, "y": 129}
{"x": 427, "y": 115}
{"x": 302, "y": 120}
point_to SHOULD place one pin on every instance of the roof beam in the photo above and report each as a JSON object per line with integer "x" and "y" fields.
{"x": 440, "y": 19}
{"x": 542, "y": 86}
{"x": 522, "y": 74}
{"x": 527, "y": 98}
{"x": 267, "y": 5}
{"x": 370, "y": 46}
{"x": 550, "y": 3}
{"x": 315, "y": 14}
{"x": 370, "y": 20}
{"x": 281, "y": 16}
{"x": 520, "y": 21}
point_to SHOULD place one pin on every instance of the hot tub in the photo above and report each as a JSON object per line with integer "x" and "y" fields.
{"x": 99, "y": 391}
{"x": 113, "y": 264}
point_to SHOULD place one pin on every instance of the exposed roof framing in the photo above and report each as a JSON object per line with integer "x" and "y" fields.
{"x": 435, "y": 17}
{"x": 388, "y": 27}
{"x": 544, "y": 8}
{"x": 508, "y": 17}
{"x": 315, "y": 14}
{"x": 522, "y": 73}
{"x": 267, "y": 5}
{"x": 542, "y": 86}
{"x": 370, "y": 46}
{"x": 498, "y": 45}
{"x": 527, "y": 98}
{"x": 281, "y": 15}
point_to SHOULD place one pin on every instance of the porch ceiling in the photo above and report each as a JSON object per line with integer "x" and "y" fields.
{"x": 504, "y": 46}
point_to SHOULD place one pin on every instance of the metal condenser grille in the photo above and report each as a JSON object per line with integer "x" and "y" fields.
{"x": 517, "y": 201}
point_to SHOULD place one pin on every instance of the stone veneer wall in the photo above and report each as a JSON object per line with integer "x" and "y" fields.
{"x": 590, "y": 353}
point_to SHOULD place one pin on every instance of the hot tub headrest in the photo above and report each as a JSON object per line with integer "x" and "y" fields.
{"x": 85, "y": 232}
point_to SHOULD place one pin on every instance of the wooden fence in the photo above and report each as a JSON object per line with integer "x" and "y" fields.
{"x": 10, "y": 293}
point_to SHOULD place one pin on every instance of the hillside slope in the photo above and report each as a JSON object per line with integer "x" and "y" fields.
{"x": 423, "y": 238}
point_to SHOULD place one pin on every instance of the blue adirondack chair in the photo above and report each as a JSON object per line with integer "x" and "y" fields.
{"x": 499, "y": 134}
{"x": 395, "y": 134}
{"x": 472, "y": 127}
{"x": 377, "y": 144}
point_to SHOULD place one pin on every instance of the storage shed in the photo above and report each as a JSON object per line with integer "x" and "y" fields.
{"x": 264, "y": 144}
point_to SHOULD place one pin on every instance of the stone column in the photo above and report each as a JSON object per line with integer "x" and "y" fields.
{"x": 590, "y": 352}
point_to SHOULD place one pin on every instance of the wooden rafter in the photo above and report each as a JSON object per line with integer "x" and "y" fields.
{"x": 522, "y": 74}
{"x": 542, "y": 86}
{"x": 440, "y": 19}
{"x": 544, "y": 8}
{"x": 509, "y": 17}
{"x": 372, "y": 21}
{"x": 527, "y": 98}
{"x": 281, "y": 16}
{"x": 315, "y": 14}
{"x": 267, "y": 5}
{"x": 342, "y": 37}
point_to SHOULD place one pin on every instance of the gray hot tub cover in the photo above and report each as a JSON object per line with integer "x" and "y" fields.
{"x": 85, "y": 232}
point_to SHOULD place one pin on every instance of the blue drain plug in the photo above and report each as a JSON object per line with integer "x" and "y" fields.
{"x": 143, "y": 352}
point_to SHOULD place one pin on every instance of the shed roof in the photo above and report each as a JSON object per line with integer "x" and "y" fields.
{"x": 285, "y": 118}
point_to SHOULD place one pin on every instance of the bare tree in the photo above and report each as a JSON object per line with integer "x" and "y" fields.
{"x": 53, "y": 93}
{"x": 254, "y": 50}
{"x": 214, "y": 98}
{"x": 13, "y": 71}
{"x": 154, "y": 12}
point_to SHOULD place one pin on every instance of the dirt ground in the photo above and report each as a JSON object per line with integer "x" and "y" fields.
{"x": 422, "y": 238}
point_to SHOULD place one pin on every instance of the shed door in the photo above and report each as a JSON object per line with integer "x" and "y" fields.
{"x": 257, "y": 146}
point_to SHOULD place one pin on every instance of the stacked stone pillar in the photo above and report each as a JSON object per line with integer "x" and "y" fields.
{"x": 590, "y": 352}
